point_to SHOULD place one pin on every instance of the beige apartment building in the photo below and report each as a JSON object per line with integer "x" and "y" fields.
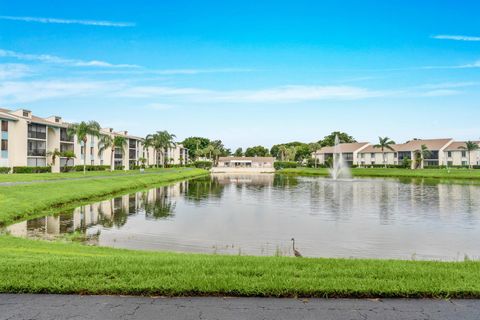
{"x": 442, "y": 152}
{"x": 26, "y": 140}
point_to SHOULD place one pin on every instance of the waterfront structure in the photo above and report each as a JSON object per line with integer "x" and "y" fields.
{"x": 244, "y": 164}
{"x": 27, "y": 140}
{"x": 349, "y": 152}
{"x": 441, "y": 152}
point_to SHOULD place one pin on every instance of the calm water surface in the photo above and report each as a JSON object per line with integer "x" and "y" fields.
{"x": 258, "y": 215}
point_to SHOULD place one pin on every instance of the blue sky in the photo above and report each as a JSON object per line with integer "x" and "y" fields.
{"x": 248, "y": 72}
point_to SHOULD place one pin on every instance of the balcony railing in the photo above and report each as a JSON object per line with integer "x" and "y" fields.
{"x": 37, "y": 153}
{"x": 37, "y": 135}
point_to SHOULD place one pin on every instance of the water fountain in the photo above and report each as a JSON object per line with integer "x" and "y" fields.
{"x": 339, "y": 169}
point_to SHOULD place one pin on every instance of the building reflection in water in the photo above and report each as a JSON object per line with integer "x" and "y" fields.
{"x": 258, "y": 214}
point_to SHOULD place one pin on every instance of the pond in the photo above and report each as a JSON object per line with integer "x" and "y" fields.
{"x": 259, "y": 214}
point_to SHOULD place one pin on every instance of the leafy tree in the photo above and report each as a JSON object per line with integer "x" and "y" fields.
{"x": 257, "y": 151}
{"x": 329, "y": 141}
{"x": 384, "y": 143}
{"x": 82, "y": 130}
{"x": 238, "y": 152}
{"x": 302, "y": 151}
{"x": 470, "y": 146}
{"x": 195, "y": 143}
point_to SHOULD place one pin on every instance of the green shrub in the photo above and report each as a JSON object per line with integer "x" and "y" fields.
{"x": 4, "y": 170}
{"x": 32, "y": 169}
{"x": 207, "y": 165}
{"x": 279, "y": 165}
{"x": 119, "y": 167}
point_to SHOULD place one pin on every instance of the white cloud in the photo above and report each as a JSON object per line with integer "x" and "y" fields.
{"x": 70, "y": 21}
{"x": 455, "y": 37}
{"x": 277, "y": 94}
{"x": 46, "y": 58}
{"x": 12, "y": 92}
{"x": 445, "y": 85}
{"x": 13, "y": 71}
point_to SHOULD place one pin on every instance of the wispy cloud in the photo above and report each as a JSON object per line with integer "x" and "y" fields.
{"x": 100, "y": 23}
{"x": 12, "y": 92}
{"x": 159, "y": 106}
{"x": 167, "y": 72}
{"x": 46, "y": 58}
{"x": 281, "y": 94}
{"x": 455, "y": 37}
{"x": 13, "y": 71}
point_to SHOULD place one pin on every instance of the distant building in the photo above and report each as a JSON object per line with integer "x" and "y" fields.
{"x": 442, "y": 152}
{"x": 26, "y": 140}
{"x": 245, "y": 164}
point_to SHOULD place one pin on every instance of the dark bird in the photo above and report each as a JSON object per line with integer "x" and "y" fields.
{"x": 295, "y": 251}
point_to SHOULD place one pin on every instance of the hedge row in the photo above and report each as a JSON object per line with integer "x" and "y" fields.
{"x": 32, "y": 169}
{"x": 80, "y": 168}
{"x": 4, "y": 170}
{"x": 279, "y": 165}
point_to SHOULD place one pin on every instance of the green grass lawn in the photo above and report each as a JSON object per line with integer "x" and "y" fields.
{"x": 27, "y": 177}
{"x": 29, "y": 266}
{"x": 34, "y": 266}
{"x": 23, "y": 201}
{"x": 380, "y": 172}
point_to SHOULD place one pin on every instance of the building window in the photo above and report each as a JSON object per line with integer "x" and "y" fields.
{"x": 464, "y": 163}
{"x": 36, "y": 162}
{"x": 64, "y": 135}
{"x": 25, "y": 114}
{"x": 4, "y": 126}
{"x": 82, "y": 150}
{"x": 66, "y": 147}
{"x": 449, "y": 154}
{"x": 37, "y": 131}
{"x": 372, "y": 155}
{"x": 464, "y": 154}
{"x": 4, "y": 145}
{"x": 91, "y": 151}
{"x": 36, "y": 148}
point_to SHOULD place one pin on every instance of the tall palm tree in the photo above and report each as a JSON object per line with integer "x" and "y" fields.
{"x": 147, "y": 144}
{"x": 420, "y": 155}
{"x": 82, "y": 130}
{"x": 470, "y": 146}
{"x": 161, "y": 141}
{"x": 106, "y": 141}
{"x": 384, "y": 143}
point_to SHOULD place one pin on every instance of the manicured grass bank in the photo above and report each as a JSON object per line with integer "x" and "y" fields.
{"x": 28, "y": 177}
{"x": 40, "y": 267}
{"x": 28, "y": 266}
{"x": 394, "y": 173}
{"x": 22, "y": 201}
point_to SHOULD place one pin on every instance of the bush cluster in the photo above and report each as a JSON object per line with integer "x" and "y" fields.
{"x": 207, "y": 165}
{"x": 279, "y": 165}
{"x": 32, "y": 169}
{"x": 389, "y": 166}
{"x": 311, "y": 164}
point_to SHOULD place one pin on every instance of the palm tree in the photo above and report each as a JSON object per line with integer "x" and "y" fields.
{"x": 384, "y": 143}
{"x": 420, "y": 155}
{"x": 470, "y": 146}
{"x": 107, "y": 141}
{"x": 147, "y": 144}
{"x": 282, "y": 150}
{"x": 82, "y": 130}
{"x": 54, "y": 154}
{"x": 68, "y": 155}
{"x": 161, "y": 141}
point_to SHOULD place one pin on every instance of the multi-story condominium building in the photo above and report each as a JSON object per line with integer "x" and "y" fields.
{"x": 27, "y": 140}
{"x": 349, "y": 152}
{"x": 442, "y": 152}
